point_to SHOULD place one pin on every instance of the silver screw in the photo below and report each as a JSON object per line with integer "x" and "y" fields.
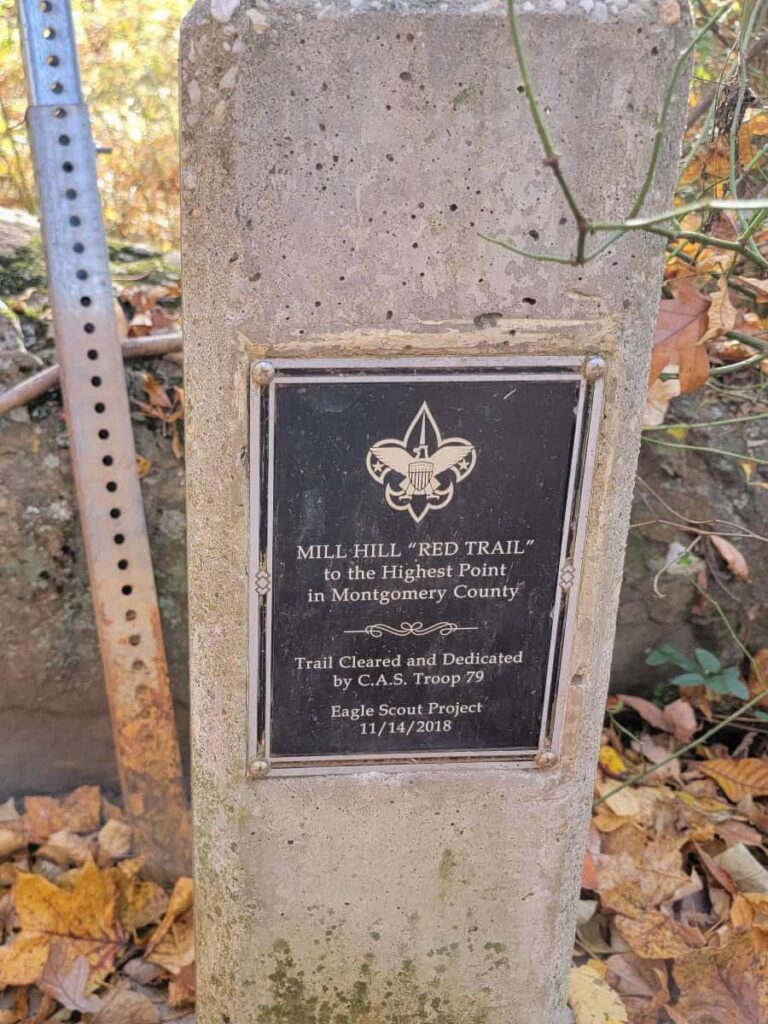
{"x": 594, "y": 368}
{"x": 262, "y": 374}
{"x": 258, "y": 769}
{"x": 546, "y": 759}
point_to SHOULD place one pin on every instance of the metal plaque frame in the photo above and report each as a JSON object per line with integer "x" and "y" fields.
{"x": 266, "y": 376}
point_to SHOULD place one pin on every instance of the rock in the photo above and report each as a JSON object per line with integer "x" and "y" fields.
{"x": 18, "y": 229}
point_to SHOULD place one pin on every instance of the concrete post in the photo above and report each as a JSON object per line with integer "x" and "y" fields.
{"x": 340, "y": 162}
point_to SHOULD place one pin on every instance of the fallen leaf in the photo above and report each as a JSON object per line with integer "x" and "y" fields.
{"x": 181, "y": 988}
{"x": 592, "y": 1000}
{"x": 721, "y": 315}
{"x": 65, "y": 849}
{"x": 10, "y": 842}
{"x": 115, "y": 838}
{"x": 737, "y": 779}
{"x": 733, "y": 558}
{"x": 588, "y": 876}
{"x": 585, "y": 911}
{"x": 657, "y": 753}
{"x": 660, "y": 394}
{"x": 757, "y": 284}
{"x": 717, "y": 871}
{"x": 655, "y": 878}
{"x": 610, "y": 761}
{"x": 654, "y": 936}
{"x": 677, "y": 718}
{"x": 8, "y": 810}
{"x": 84, "y": 916}
{"x": 649, "y": 712}
{"x": 758, "y": 676}
{"x": 605, "y": 820}
{"x": 680, "y": 326}
{"x": 179, "y": 904}
{"x": 145, "y": 974}
{"x": 67, "y": 981}
{"x": 750, "y": 910}
{"x": 642, "y": 984}
{"x": 139, "y": 903}
{"x": 744, "y": 868}
{"x": 624, "y": 802}
{"x": 127, "y": 1007}
{"x": 727, "y": 985}
{"x": 733, "y": 832}
{"x": 682, "y": 718}
{"x": 155, "y": 391}
{"x": 176, "y": 948}
{"x": 43, "y": 815}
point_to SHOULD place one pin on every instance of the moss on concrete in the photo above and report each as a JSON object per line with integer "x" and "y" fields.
{"x": 372, "y": 997}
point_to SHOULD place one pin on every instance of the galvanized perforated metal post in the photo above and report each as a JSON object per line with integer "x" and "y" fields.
{"x": 101, "y": 440}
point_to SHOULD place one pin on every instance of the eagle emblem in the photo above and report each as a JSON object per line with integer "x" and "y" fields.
{"x": 420, "y": 472}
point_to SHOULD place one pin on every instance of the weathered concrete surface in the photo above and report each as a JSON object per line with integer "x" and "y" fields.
{"x": 338, "y": 164}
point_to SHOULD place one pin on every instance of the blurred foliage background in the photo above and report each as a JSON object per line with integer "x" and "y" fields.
{"x": 128, "y": 56}
{"x": 128, "y": 60}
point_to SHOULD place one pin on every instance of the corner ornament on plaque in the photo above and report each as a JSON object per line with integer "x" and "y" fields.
{"x": 420, "y": 471}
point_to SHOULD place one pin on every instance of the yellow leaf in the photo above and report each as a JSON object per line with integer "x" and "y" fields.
{"x": 707, "y": 805}
{"x": 178, "y": 905}
{"x": 605, "y": 820}
{"x": 737, "y": 779}
{"x": 678, "y": 432}
{"x": 23, "y": 961}
{"x": 654, "y": 936}
{"x": 611, "y": 761}
{"x": 750, "y": 910}
{"x": 139, "y": 903}
{"x": 83, "y": 916}
{"x": 591, "y": 998}
{"x": 757, "y": 123}
{"x": 176, "y": 949}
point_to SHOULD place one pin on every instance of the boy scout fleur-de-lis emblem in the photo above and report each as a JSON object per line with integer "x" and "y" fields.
{"x": 421, "y": 471}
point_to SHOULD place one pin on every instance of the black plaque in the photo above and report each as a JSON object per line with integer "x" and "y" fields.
{"x": 413, "y": 538}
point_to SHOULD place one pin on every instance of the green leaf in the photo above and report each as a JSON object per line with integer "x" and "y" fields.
{"x": 707, "y": 660}
{"x": 690, "y": 679}
{"x": 734, "y": 683}
{"x": 668, "y": 654}
{"x": 718, "y": 684}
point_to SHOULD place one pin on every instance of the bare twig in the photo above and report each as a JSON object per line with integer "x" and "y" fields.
{"x": 740, "y": 456}
{"x": 584, "y": 225}
{"x": 36, "y": 385}
{"x": 707, "y": 423}
{"x": 551, "y": 158}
